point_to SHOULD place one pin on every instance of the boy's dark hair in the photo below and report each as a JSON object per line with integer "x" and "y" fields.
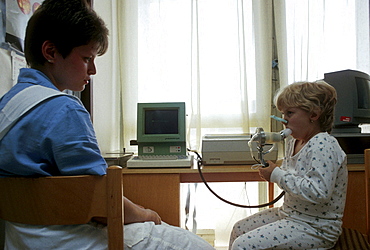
{"x": 67, "y": 24}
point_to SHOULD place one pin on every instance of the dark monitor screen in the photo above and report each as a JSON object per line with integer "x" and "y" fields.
{"x": 161, "y": 122}
{"x": 363, "y": 90}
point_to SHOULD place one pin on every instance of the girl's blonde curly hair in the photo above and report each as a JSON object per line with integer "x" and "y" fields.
{"x": 316, "y": 96}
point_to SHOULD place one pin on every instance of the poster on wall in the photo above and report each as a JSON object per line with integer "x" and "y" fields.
{"x": 17, "y": 13}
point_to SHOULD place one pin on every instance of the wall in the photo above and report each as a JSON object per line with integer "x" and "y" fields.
{"x": 5, "y": 71}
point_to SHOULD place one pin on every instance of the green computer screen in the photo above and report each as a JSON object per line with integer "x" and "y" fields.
{"x": 161, "y": 122}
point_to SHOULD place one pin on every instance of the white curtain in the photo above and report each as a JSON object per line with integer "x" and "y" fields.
{"x": 216, "y": 56}
{"x": 106, "y": 84}
{"x": 319, "y": 36}
{"x": 202, "y": 52}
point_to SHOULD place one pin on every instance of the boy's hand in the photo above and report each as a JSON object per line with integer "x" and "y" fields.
{"x": 265, "y": 173}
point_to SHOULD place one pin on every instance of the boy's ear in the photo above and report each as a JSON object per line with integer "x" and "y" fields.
{"x": 315, "y": 115}
{"x": 48, "y": 51}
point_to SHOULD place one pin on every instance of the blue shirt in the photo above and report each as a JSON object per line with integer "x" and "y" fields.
{"x": 54, "y": 138}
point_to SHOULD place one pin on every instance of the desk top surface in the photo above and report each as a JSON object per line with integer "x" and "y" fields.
{"x": 211, "y": 169}
{"x": 194, "y": 169}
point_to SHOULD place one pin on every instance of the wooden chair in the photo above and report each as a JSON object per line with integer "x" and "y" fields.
{"x": 66, "y": 200}
{"x": 367, "y": 183}
{"x": 352, "y": 238}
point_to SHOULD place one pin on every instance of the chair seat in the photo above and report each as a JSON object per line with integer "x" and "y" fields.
{"x": 351, "y": 239}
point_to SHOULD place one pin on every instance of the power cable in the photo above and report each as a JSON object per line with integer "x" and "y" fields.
{"x": 200, "y": 163}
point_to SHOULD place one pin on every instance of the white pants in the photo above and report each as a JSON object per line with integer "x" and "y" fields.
{"x": 88, "y": 236}
{"x": 269, "y": 230}
{"x": 162, "y": 237}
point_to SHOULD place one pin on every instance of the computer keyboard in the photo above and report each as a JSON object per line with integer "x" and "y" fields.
{"x": 162, "y": 157}
{"x": 158, "y": 157}
{"x": 160, "y": 161}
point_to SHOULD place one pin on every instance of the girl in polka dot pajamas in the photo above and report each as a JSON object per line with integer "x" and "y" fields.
{"x": 313, "y": 176}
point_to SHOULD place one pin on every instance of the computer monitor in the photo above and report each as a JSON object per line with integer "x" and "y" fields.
{"x": 351, "y": 110}
{"x": 353, "y": 106}
{"x": 161, "y": 128}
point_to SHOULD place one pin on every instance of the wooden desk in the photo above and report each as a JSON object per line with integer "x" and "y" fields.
{"x": 159, "y": 189}
{"x": 355, "y": 210}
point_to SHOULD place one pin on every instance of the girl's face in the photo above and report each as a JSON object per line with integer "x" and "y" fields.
{"x": 74, "y": 71}
{"x": 299, "y": 121}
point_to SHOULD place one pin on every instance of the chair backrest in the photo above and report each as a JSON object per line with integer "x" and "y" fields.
{"x": 66, "y": 200}
{"x": 367, "y": 183}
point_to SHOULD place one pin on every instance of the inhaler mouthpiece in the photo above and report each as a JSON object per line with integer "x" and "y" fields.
{"x": 277, "y": 137}
{"x": 286, "y": 132}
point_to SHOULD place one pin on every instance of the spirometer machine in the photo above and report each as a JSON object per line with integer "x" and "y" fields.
{"x": 161, "y": 136}
{"x": 232, "y": 149}
{"x": 241, "y": 148}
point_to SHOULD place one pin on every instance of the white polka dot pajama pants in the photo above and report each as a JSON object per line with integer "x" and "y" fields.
{"x": 268, "y": 230}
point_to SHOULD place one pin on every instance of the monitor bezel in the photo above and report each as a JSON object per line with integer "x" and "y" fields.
{"x": 159, "y": 138}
